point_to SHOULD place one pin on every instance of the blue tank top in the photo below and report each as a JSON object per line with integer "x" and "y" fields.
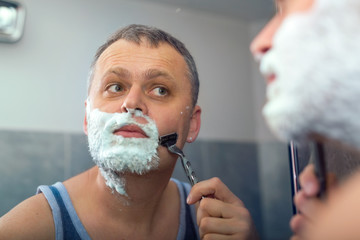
{"x": 69, "y": 227}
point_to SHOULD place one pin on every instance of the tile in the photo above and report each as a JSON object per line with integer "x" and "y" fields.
{"x": 80, "y": 156}
{"x": 275, "y": 187}
{"x": 27, "y": 160}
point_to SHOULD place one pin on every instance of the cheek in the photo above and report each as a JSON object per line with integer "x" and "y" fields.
{"x": 106, "y": 105}
{"x": 173, "y": 121}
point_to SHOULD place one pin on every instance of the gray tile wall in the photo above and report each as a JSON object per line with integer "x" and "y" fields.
{"x": 29, "y": 159}
{"x": 276, "y": 195}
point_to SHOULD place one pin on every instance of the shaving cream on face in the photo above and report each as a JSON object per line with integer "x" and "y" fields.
{"x": 114, "y": 154}
{"x": 315, "y": 57}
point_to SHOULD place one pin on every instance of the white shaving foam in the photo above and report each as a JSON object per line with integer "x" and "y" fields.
{"x": 315, "y": 58}
{"x": 114, "y": 154}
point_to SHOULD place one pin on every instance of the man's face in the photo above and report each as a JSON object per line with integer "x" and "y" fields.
{"x": 263, "y": 42}
{"x": 307, "y": 52}
{"x": 130, "y": 77}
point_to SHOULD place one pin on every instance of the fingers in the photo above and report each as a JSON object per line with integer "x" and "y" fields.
{"x": 295, "y": 237}
{"x": 214, "y": 236}
{"x": 310, "y": 184}
{"x": 220, "y": 226}
{"x": 214, "y": 187}
{"x": 218, "y": 209}
{"x": 297, "y": 223}
{"x": 308, "y": 181}
{"x": 306, "y": 201}
{"x": 307, "y": 206}
{"x": 219, "y": 220}
{"x": 223, "y": 216}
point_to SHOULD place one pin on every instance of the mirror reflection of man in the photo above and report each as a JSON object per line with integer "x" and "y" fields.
{"x": 143, "y": 85}
{"x": 309, "y": 56}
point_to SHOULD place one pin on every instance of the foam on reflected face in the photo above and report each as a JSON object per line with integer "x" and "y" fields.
{"x": 116, "y": 155}
{"x": 315, "y": 58}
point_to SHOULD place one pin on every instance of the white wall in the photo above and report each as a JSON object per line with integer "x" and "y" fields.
{"x": 43, "y": 77}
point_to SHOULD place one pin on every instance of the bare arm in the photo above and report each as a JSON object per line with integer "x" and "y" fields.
{"x": 31, "y": 219}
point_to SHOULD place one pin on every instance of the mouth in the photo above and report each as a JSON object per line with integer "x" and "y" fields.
{"x": 267, "y": 70}
{"x": 130, "y": 131}
{"x": 270, "y": 78}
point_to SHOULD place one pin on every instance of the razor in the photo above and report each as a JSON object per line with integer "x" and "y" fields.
{"x": 169, "y": 142}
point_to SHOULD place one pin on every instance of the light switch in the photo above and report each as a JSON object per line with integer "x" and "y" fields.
{"x": 12, "y": 19}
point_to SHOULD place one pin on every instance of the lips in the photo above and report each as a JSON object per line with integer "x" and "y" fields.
{"x": 267, "y": 72}
{"x": 267, "y": 68}
{"x": 270, "y": 78}
{"x": 131, "y": 131}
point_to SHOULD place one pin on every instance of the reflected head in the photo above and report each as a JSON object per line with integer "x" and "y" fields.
{"x": 153, "y": 36}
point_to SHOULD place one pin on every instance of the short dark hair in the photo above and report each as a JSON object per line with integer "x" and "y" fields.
{"x": 154, "y": 36}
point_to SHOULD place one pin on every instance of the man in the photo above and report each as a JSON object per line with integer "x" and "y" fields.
{"x": 309, "y": 57}
{"x": 143, "y": 85}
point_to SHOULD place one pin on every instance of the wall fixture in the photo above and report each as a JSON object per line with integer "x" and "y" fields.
{"x": 12, "y": 19}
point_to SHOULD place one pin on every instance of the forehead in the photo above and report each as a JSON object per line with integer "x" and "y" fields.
{"x": 138, "y": 56}
{"x": 140, "y": 61}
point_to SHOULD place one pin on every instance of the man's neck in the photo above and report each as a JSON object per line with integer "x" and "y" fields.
{"x": 335, "y": 144}
{"x": 149, "y": 211}
{"x": 145, "y": 196}
{"x": 341, "y": 159}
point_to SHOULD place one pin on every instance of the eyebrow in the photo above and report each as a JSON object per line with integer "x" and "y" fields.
{"x": 120, "y": 72}
{"x": 155, "y": 73}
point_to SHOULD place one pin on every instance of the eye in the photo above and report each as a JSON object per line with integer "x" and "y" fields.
{"x": 160, "y": 91}
{"x": 115, "y": 88}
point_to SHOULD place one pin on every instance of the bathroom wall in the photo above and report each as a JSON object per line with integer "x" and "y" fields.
{"x": 43, "y": 88}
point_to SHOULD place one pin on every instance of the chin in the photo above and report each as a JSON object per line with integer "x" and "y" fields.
{"x": 297, "y": 116}
{"x": 286, "y": 116}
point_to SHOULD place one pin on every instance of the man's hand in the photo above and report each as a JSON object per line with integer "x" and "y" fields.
{"x": 340, "y": 217}
{"x": 307, "y": 202}
{"x": 221, "y": 215}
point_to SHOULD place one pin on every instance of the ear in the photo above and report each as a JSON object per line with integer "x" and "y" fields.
{"x": 85, "y": 120}
{"x": 195, "y": 123}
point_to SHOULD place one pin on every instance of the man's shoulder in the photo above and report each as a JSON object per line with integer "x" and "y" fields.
{"x": 182, "y": 186}
{"x": 31, "y": 218}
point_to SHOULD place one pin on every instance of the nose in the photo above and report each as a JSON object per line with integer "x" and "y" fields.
{"x": 262, "y": 43}
{"x": 134, "y": 100}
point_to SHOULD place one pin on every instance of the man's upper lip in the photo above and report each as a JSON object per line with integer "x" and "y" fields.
{"x": 270, "y": 78}
{"x": 131, "y": 129}
{"x": 267, "y": 70}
